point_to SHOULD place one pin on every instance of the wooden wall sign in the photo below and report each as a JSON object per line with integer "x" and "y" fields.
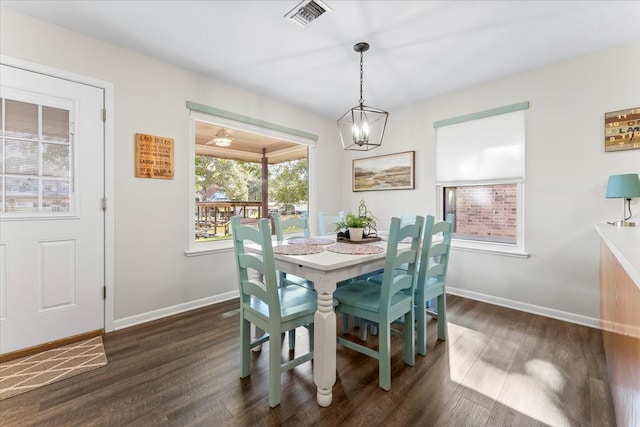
{"x": 622, "y": 130}
{"x": 154, "y": 156}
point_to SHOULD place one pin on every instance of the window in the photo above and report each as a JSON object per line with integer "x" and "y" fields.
{"x": 231, "y": 178}
{"x": 480, "y": 177}
{"x": 36, "y": 155}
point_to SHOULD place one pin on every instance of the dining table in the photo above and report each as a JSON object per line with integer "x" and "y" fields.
{"x": 326, "y": 262}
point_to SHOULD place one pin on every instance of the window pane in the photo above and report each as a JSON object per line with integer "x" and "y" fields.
{"x": 21, "y": 120}
{"x": 55, "y": 160}
{"x": 22, "y": 195}
{"x": 224, "y": 188}
{"x": 21, "y": 157}
{"x": 55, "y": 124}
{"x": 485, "y": 213}
{"x": 55, "y": 195}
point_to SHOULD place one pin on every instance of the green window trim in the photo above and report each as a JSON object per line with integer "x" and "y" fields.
{"x": 194, "y": 106}
{"x": 482, "y": 114}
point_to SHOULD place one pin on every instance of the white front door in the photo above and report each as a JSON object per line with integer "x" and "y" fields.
{"x": 51, "y": 215}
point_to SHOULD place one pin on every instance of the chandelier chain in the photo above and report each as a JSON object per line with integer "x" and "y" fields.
{"x": 361, "y": 74}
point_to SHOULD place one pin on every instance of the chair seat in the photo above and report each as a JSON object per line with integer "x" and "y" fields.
{"x": 295, "y": 302}
{"x": 366, "y": 296}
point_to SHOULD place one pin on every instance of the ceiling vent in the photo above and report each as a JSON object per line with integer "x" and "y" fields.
{"x": 306, "y": 12}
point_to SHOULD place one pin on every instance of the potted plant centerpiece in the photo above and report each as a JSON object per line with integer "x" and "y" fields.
{"x": 355, "y": 225}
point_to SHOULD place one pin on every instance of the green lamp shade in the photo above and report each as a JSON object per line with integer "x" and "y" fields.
{"x": 623, "y": 186}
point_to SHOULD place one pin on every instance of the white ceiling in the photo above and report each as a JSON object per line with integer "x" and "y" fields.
{"x": 419, "y": 49}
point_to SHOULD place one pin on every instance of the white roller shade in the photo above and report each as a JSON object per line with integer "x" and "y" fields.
{"x": 482, "y": 149}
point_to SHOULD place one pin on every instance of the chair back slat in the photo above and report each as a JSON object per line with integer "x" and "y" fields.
{"x": 435, "y": 270}
{"x": 407, "y": 256}
{"x": 251, "y": 261}
{"x": 401, "y": 282}
{"x": 438, "y": 249}
{"x": 255, "y": 288}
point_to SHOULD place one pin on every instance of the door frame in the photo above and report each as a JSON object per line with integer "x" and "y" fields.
{"x": 109, "y": 170}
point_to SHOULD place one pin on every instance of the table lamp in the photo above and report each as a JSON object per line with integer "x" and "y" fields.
{"x": 625, "y": 187}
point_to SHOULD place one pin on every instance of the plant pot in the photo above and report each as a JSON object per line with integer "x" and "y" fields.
{"x": 355, "y": 234}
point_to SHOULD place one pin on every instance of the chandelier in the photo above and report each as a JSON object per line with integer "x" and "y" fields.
{"x": 362, "y": 127}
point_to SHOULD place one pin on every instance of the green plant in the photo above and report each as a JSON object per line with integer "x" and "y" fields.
{"x": 353, "y": 221}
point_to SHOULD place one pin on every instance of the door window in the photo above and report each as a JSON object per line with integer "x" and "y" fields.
{"x": 36, "y": 173}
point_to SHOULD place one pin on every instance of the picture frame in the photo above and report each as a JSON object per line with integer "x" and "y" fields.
{"x": 622, "y": 130}
{"x": 154, "y": 156}
{"x": 387, "y": 172}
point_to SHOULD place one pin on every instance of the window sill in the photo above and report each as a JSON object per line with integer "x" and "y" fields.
{"x": 198, "y": 249}
{"x": 490, "y": 248}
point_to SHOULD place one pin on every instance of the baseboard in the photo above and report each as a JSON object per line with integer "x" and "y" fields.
{"x": 49, "y": 345}
{"x": 516, "y": 305}
{"x": 175, "y": 309}
{"x": 529, "y": 308}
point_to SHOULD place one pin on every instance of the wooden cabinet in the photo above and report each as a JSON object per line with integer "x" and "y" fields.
{"x": 620, "y": 321}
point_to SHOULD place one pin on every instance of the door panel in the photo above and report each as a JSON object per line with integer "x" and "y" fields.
{"x": 51, "y": 217}
{"x": 57, "y": 285}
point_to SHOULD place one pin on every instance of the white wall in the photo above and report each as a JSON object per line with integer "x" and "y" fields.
{"x": 566, "y": 175}
{"x": 566, "y": 171}
{"x": 153, "y": 277}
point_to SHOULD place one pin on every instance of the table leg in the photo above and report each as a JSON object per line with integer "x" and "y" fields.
{"x": 324, "y": 363}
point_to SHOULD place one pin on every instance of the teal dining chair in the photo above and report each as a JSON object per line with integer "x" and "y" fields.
{"x": 384, "y": 304}
{"x": 327, "y": 223}
{"x": 272, "y": 308}
{"x": 294, "y": 227}
{"x": 297, "y": 228}
{"x": 432, "y": 277}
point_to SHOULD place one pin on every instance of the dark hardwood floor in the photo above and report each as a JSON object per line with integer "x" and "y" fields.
{"x": 499, "y": 367}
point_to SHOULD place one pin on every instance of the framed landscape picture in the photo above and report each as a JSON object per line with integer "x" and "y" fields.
{"x": 389, "y": 172}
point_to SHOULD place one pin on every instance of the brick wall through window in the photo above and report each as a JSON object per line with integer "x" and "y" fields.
{"x": 483, "y": 212}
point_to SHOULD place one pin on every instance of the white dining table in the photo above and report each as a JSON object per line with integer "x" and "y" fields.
{"x": 325, "y": 270}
